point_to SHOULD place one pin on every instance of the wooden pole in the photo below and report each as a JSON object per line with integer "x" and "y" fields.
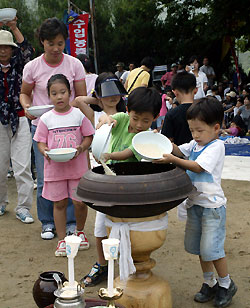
{"x": 93, "y": 28}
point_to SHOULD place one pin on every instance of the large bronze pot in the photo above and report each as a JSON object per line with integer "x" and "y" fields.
{"x": 140, "y": 189}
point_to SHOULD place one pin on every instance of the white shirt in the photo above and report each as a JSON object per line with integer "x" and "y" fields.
{"x": 208, "y": 183}
{"x": 200, "y": 79}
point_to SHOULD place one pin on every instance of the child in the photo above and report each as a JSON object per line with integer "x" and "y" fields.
{"x": 107, "y": 99}
{"x": 205, "y": 227}
{"x": 233, "y": 130}
{"x": 175, "y": 125}
{"x": 143, "y": 106}
{"x": 64, "y": 127}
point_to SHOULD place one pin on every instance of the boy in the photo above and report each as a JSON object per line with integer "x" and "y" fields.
{"x": 205, "y": 227}
{"x": 175, "y": 125}
{"x": 143, "y": 106}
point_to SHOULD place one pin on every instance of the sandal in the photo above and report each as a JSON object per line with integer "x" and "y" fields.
{"x": 97, "y": 274}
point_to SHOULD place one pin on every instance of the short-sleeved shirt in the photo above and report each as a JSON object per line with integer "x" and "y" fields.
{"x": 208, "y": 183}
{"x": 175, "y": 124}
{"x": 38, "y": 72}
{"x": 245, "y": 114}
{"x": 200, "y": 79}
{"x": 167, "y": 78}
{"x": 142, "y": 79}
{"x": 208, "y": 70}
{"x": 64, "y": 130}
{"x": 121, "y": 139}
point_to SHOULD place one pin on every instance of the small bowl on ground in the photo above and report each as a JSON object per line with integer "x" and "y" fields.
{"x": 37, "y": 111}
{"x": 61, "y": 155}
{"x": 7, "y": 14}
{"x": 100, "y": 141}
{"x": 151, "y": 146}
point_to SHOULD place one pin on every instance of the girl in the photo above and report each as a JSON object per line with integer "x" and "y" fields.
{"x": 64, "y": 127}
{"x": 52, "y": 35}
{"x": 107, "y": 99}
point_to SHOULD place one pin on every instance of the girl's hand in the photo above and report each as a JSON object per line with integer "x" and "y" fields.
{"x": 167, "y": 159}
{"x": 105, "y": 119}
{"x": 79, "y": 151}
{"x": 45, "y": 154}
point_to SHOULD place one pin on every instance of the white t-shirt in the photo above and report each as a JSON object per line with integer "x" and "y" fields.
{"x": 38, "y": 72}
{"x": 200, "y": 79}
{"x": 208, "y": 183}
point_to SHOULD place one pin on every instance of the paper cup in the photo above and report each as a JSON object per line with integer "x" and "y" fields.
{"x": 72, "y": 245}
{"x": 110, "y": 248}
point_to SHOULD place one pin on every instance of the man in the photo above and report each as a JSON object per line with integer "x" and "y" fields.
{"x": 167, "y": 78}
{"x": 15, "y": 136}
{"x": 124, "y": 76}
{"x": 120, "y": 70}
{"x": 139, "y": 77}
{"x": 209, "y": 71}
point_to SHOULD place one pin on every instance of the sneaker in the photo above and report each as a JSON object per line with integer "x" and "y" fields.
{"x": 48, "y": 233}
{"x": 35, "y": 184}
{"x": 84, "y": 243}
{"x": 2, "y": 209}
{"x": 224, "y": 296}
{"x": 206, "y": 293}
{"x": 25, "y": 216}
{"x": 61, "y": 249}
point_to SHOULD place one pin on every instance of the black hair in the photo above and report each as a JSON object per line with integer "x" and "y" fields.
{"x": 184, "y": 82}
{"x": 85, "y": 61}
{"x": 50, "y": 28}
{"x": 57, "y": 78}
{"x": 144, "y": 99}
{"x": 120, "y": 107}
{"x": 148, "y": 62}
{"x": 193, "y": 58}
{"x": 208, "y": 110}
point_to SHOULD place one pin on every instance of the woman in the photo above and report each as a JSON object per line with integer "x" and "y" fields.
{"x": 52, "y": 35}
{"x": 244, "y": 112}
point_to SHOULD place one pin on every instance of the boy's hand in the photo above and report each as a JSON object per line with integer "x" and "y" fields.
{"x": 105, "y": 157}
{"x": 167, "y": 159}
{"x": 105, "y": 119}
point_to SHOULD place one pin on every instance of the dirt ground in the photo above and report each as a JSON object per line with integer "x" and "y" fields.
{"x": 24, "y": 255}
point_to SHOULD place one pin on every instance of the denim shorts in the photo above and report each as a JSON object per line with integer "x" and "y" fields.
{"x": 205, "y": 232}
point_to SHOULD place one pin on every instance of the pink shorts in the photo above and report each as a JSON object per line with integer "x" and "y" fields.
{"x": 59, "y": 190}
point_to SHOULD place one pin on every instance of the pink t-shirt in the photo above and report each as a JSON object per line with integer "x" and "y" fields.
{"x": 163, "y": 110}
{"x": 38, "y": 72}
{"x": 64, "y": 130}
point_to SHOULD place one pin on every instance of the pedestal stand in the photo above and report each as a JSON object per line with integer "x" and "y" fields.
{"x": 144, "y": 289}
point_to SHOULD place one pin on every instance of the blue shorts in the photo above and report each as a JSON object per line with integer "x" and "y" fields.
{"x": 205, "y": 232}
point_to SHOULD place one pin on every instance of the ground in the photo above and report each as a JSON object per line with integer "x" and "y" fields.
{"x": 24, "y": 255}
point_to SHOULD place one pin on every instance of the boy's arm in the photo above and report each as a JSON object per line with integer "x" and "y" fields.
{"x": 183, "y": 163}
{"x": 123, "y": 155}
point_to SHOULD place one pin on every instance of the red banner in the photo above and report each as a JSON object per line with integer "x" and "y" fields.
{"x": 78, "y": 35}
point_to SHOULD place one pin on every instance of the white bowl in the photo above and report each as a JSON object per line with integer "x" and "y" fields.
{"x": 100, "y": 141}
{"x": 62, "y": 154}
{"x": 151, "y": 146}
{"x": 7, "y": 14}
{"x": 37, "y": 111}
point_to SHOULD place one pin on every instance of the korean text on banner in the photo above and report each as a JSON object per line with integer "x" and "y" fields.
{"x": 78, "y": 35}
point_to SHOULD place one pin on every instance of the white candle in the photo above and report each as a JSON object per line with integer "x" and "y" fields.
{"x": 111, "y": 278}
{"x": 71, "y": 272}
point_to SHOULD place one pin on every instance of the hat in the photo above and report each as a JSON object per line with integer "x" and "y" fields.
{"x": 231, "y": 94}
{"x": 209, "y": 93}
{"x": 110, "y": 87}
{"x": 173, "y": 65}
{"x": 6, "y": 38}
{"x": 120, "y": 64}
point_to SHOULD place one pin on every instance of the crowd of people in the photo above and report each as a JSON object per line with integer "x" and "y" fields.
{"x": 190, "y": 107}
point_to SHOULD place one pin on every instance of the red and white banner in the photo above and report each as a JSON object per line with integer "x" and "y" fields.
{"x": 78, "y": 35}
